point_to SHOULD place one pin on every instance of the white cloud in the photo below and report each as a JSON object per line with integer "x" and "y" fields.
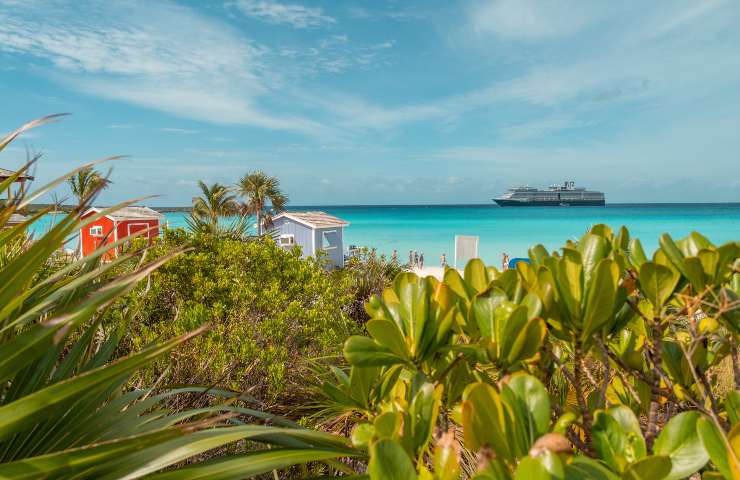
{"x": 277, "y": 13}
{"x": 621, "y": 67}
{"x": 182, "y": 131}
{"x": 131, "y": 54}
{"x": 531, "y": 19}
{"x": 333, "y": 54}
{"x": 693, "y": 12}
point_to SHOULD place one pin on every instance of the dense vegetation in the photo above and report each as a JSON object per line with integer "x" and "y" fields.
{"x": 67, "y": 409}
{"x": 269, "y": 312}
{"x": 593, "y": 362}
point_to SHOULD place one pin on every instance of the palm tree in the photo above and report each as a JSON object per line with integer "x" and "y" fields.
{"x": 86, "y": 183}
{"x": 215, "y": 201}
{"x": 258, "y": 188}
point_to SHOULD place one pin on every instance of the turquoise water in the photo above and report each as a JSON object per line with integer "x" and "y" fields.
{"x": 432, "y": 229}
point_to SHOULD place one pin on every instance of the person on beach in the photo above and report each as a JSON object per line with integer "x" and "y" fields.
{"x": 505, "y": 261}
{"x": 411, "y": 258}
{"x": 443, "y": 260}
{"x": 416, "y": 259}
{"x": 394, "y": 258}
{"x": 421, "y": 260}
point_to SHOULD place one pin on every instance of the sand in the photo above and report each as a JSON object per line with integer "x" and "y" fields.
{"x": 437, "y": 272}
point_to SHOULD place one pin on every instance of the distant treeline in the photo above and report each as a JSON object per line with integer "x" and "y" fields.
{"x": 68, "y": 208}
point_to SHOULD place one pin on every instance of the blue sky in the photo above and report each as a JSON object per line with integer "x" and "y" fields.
{"x": 381, "y": 102}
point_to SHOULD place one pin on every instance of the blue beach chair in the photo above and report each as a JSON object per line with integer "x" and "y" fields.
{"x": 514, "y": 261}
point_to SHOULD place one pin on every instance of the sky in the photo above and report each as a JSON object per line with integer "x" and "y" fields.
{"x": 380, "y": 102}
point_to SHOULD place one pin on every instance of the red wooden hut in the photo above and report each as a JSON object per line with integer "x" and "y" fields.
{"x": 117, "y": 225}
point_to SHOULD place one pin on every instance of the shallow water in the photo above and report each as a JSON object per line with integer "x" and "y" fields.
{"x": 432, "y": 229}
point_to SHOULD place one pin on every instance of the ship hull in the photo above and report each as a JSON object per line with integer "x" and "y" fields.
{"x": 547, "y": 203}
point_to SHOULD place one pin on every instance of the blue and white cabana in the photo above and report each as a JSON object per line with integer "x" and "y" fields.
{"x": 313, "y": 232}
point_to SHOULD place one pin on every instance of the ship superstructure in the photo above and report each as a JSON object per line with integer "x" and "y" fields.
{"x": 564, "y": 195}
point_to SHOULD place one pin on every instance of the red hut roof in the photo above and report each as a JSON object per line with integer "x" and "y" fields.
{"x": 5, "y": 174}
{"x": 130, "y": 213}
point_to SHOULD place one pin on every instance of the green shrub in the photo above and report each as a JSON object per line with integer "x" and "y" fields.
{"x": 465, "y": 376}
{"x": 268, "y": 311}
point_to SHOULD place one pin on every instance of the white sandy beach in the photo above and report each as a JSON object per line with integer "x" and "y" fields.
{"x": 437, "y": 272}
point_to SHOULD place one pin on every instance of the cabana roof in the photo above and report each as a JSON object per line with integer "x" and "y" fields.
{"x": 129, "y": 213}
{"x": 314, "y": 219}
{"x": 16, "y": 219}
{"x": 5, "y": 174}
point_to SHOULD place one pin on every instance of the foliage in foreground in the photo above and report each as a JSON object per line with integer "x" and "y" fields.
{"x": 592, "y": 363}
{"x": 64, "y": 408}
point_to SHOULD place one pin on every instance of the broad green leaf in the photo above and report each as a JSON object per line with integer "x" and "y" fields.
{"x": 423, "y": 413}
{"x": 709, "y": 260}
{"x": 715, "y": 444}
{"x": 389, "y": 425}
{"x": 483, "y": 420}
{"x": 387, "y": 334}
{"x": 483, "y": 308}
{"x": 360, "y": 382}
{"x": 635, "y": 446}
{"x": 366, "y": 352}
{"x": 389, "y": 461}
{"x": 609, "y": 440}
{"x": 657, "y": 283}
{"x": 732, "y": 406}
{"x": 637, "y": 254}
{"x": 694, "y": 243}
{"x": 680, "y": 441}
{"x": 476, "y": 275}
{"x": 454, "y": 280}
{"x": 528, "y": 341}
{"x": 695, "y": 272}
{"x": 537, "y": 254}
{"x": 362, "y": 434}
{"x": 602, "y": 293}
{"x": 544, "y": 467}
{"x": 512, "y": 327}
{"x": 657, "y": 467}
{"x": 593, "y": 249}
{"x": 530, "y": 392}
{"x": 569, "y": 283}
{"x": 533, "y": 304}
{"x": 672, "y": 252}
{"x": 585, "y": 468}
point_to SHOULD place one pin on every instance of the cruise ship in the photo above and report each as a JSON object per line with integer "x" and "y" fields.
{"x": 565, "y": 195}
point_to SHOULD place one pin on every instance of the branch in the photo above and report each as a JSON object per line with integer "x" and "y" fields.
{"x": 607, "y": 372}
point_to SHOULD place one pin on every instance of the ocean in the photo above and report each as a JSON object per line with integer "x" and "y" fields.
{"x": 431, "y": 229}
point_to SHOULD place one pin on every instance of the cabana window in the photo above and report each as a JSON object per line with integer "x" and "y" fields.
{"x": 331, "y": 240}
{"x": 96, "y": 230}
{"x": 287, "y": 240}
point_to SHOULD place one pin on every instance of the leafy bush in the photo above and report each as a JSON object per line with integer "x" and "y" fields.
{"x": 592, "y": 363}
{"x": 269, "y": 311}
